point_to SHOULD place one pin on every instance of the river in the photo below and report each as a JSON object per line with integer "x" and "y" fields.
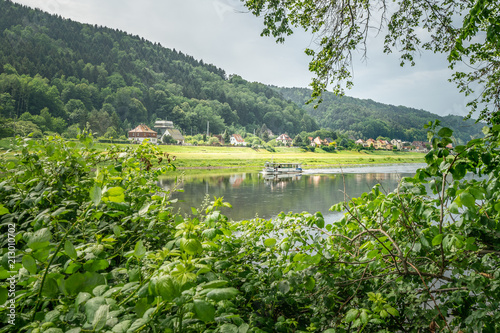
{"x": 252, "y": 194}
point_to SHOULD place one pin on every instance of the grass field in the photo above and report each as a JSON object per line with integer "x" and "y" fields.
{"x": 237, "y": 157}
{"x": 213, "y": 157}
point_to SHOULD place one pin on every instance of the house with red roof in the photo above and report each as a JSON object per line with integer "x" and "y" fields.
{"x": 284, "y": 139}
{"x": 237, "y": 140}
{"x": 142, "y": 133}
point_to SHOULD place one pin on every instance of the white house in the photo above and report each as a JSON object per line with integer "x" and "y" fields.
{"x": 284, "y": 139}
{"x": 237, "y": 140}
{"x": 166, "y": 128}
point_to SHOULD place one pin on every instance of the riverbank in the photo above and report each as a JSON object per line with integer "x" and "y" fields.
{"x": 228, "y": 157}
{"x": 206, "y": 157}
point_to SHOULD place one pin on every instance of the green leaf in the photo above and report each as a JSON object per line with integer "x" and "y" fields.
{"x": 30, "y": 264}
{"x": 392, "y": 311}
{"x": 137, "y": 325}
{"x": 87, "y": 281}
{"x": 215, "y": 284}
{"x": 96, "y": 194}
{"x": 82, "y": 298}
{"x": 39, "y": 239}
{"x": 204, "y": 310}
{"x": 114, "y": 194}
{"x": 92, "y": 306}
{"x": 100, "y": 317}
{"x": 284, "y": 286}
{"x": 3, "y": 211}
{"x": 243, "y": 328}
{"x": 191, "y": 246}
{"x": 363, "y": 317}
{"x": 310, "y": 283}
{"x": 121, "y": 327}
{"x": 270, "y": 242}
{"x": 372, "y": 254}
{"x": 50, "y": 288}
{"x": 222, "y": 294}
{"x": 96, "y": 265}
{"x": 194, "y": 211}
{"x": 351, "y": 315}
{"x": 454, "y": 208}
{"x": 467, "y": 199}
{"x": 445, "y": 132}
{"x": 167, "y": 287}
{"x": 229, "y": 328}
{"x": 144, "y": 209}
{"x": 3, "y": 295}
{"x": 139, "y": 250}
{"x": 437, "y": 240}
{"x": 69, "y": 249}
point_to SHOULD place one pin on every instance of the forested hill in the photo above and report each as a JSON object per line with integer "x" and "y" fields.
{"x": 369, "y": 119}
{"x": 58, "y": 73}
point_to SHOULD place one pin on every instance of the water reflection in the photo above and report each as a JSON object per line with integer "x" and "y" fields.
{"x": 253, "y": 194}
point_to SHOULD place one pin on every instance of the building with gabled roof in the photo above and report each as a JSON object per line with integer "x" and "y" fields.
{"x": 142, "y": 133}
{"x": 284, "y": 139}
{"x": 237, "y": 140}
{"x": 166, "y": 128}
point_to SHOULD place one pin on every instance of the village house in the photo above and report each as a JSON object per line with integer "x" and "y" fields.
{"x": 237, "y": 140}
{"x": 381, "y": 144}
{"x": 327, "y": 141}
{"x": 420, "y": 146}
{"x": 397, "y": 143}
{"x": 360, "y": 142}
{"x": 317, "y": 141}
{"x": 284, "y": 139}
{"x": 166, "y": 128}
{"x": 311, "y": 141}
{"x": 141, "y": 133}
{"x": 370, "y": 142}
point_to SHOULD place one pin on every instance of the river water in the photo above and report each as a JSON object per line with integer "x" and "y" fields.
{"x": 252, "y": 194}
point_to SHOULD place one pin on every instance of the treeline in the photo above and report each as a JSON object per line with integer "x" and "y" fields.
{"x": 81, "y": 74}
{"x": 366, "y": 119}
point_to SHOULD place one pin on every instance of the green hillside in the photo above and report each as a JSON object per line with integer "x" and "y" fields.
{"x": 81, "y": 73}
{"x": 368, "y": 119}
{"x": 57, "y": 75}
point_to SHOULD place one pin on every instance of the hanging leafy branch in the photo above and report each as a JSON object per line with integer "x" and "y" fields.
{"x": 409, "y": 26}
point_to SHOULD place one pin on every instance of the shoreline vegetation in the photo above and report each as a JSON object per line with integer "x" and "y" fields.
{"x": 228, "y": 157}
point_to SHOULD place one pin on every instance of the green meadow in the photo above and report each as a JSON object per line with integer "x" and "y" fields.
{"x": 221, "y": 157}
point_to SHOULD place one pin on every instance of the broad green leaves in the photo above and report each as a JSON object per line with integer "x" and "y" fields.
{"x": 114, "y": 194}
{"x": 204, "y": 310}
{"x": 222, "y": 294}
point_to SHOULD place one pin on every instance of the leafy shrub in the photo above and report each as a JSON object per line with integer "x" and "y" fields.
{"x": 99, "y": 248}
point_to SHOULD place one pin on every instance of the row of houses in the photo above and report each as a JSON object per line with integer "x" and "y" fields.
{"x": 166, "y": 128}
{"x": 419, "y": 146}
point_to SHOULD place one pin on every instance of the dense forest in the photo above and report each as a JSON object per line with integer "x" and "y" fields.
{"x": 56, "y": 73}
{"x": 369, "y": 119}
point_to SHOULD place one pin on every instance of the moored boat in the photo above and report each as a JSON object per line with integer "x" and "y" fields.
{"x": 281, "y": 168}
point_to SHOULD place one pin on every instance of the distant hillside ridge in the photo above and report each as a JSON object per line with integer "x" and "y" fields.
{"x": 88, "y": 74}
{"x": 370, "y": 119}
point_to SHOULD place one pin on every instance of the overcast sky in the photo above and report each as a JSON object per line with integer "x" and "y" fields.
{"x": 222, "y": 33}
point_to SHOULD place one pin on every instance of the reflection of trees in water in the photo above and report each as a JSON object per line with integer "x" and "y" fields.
{"x": 252, "y": 194}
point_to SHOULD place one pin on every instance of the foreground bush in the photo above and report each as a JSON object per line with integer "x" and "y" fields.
{"x": 99, "y": 249}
